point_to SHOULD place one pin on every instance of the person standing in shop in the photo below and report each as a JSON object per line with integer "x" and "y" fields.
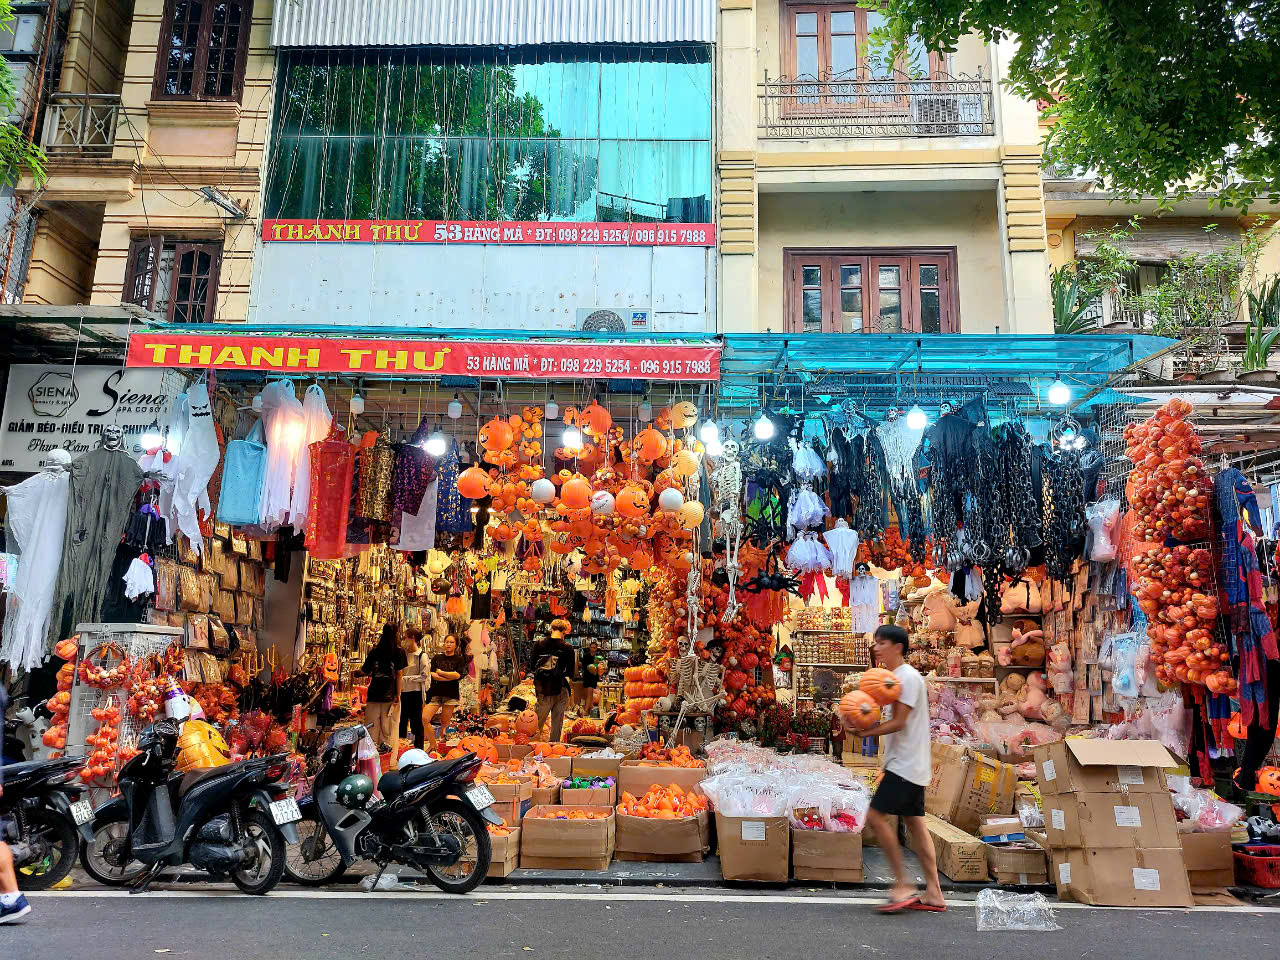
{"x": 13, "y": 905}
{"x": 384, "y": 666}
{"x": 554, "y": 664}
{"x": 908, "y": 768}
{"x": 593, "y": 665}
{"x": 837, "y": 737}
{"x": 416, "y": 681}
{"x": 446, "y": 675}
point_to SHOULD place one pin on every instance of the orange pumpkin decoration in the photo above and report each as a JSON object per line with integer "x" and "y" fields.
{"x": 883, "y": 686}
{"x": 474, "y": 483}
{"x": 576, "y": 492}
{"x": 1236, "y": 727}
{"x": 632, "y": 501}
{"x": 595, "y": 420}
{"x": 527, "y": 722}
{"x": 859, "y": 711}
{"x": 497, "y": 435}
{"x": 650, "y": 445}
{"x": 1268, "y": 781}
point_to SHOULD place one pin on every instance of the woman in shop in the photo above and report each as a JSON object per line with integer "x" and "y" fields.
{"x": 416, "y": 682}
{"x": 446, "y": 673}
{"x": 384, "y": 666}
{"x": 593, "y": 665}
{"x": 554, "y": 664}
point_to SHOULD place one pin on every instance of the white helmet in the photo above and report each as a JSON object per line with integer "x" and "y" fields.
{"x": 413, "y": 758}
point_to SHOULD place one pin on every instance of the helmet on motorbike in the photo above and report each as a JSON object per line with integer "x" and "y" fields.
{"x": 200, "y": 746}
{"x": 355, "y": 791}
{"x": 413, "y": 758}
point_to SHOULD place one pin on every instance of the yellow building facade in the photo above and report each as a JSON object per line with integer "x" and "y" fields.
{"x": 155, "y": 140}
{"x": 857, "y": 195}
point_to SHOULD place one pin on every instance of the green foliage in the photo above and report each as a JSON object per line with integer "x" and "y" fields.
{"x": 1264, "y": 325}
{"x": 18, "y": 155}
{"x": 1160, "y": 98}
{"x": 1070, "y": 302}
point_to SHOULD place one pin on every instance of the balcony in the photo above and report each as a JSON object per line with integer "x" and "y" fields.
{"x": 892, "y": 105}
{"x": 81, "y": 124}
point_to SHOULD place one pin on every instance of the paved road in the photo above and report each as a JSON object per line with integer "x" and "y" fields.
{"x": 587, "y": 923}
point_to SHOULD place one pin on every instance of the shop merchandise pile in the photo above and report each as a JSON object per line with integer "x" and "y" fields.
{"x": 655, "y": 637}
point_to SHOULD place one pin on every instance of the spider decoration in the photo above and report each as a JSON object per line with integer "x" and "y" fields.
{"x": 771, "y": 577}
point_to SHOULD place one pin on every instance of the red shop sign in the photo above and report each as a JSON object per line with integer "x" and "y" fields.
{"x": 519, "y": 233}
{"x": 468, "y": 358}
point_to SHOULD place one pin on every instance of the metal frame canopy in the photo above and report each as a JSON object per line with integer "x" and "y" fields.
{"x": 881, "y": 371}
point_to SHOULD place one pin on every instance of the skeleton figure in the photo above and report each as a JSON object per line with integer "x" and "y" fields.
{"x": 112, "y": 437}
{"x": 727, "y": 481}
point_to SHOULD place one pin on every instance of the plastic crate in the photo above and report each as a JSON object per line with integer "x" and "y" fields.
{"x": 1258, "y": 866}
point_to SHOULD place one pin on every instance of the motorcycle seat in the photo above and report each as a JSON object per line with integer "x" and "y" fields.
{"x": 395, "y": 782}
{"x": 193, "y": 777}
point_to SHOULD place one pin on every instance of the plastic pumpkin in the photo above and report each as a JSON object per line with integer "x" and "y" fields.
{"x": 690, "y": 514}
{"x": 632, "y": 501}
{"x": 576, "y": 492}
{"x": 683, "y": 415}
{"x": 650, "y": 445}
{"x": 1236, "y": 727}
{"x": 859, "y": 711}
{"x": 883, "y": 686}
{"x": 595, "y": 420}
{"x": 1268, "y": 781}
{"x": 497, "y": 435}
{"x": 542, "y": 491}
{"x": 602, "y": 503}
{"x": 670, "y": 500}
{"x": 527, "y": 722}
{"x": 473, "y": 483}
{"x": 685, "y": 463}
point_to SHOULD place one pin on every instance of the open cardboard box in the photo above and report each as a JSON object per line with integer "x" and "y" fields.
{"x": 594, "y": 797}
{"x": 1103, "y": 766}
{"x": 635, "y": 779}
{"x": 596, "y": 766}
{"x": 684, "y": 840}
{"x": 967, "y": 786}
{"x": 511, "y": 801}
{"x": 550, "y": 844}
{"x": 506, "y": 853}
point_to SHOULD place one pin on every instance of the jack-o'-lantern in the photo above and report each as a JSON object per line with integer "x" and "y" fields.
{"x": 1236, "y": 727}
{"x": 502, "y": 532}
{"x": 576, "y": 492}
{"x": 632, "y": 501}
{"x": 527, "y": 723}
{"x": 690, "y": 514}
{"x": 474, "y": 483}
{"x": 650, "y": 445}
{"x": 497, "y": 435}
{"x": 684, "y": 463}
{"x": 595, "y": 420}
{"x": 1268, "y": 781}
{"x": 683, "y": 415}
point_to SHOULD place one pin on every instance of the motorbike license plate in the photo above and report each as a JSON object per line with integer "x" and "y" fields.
{"x": 81, "y": 812}
{"x": 480, "y": 797}
{"x": 285, "y": 811}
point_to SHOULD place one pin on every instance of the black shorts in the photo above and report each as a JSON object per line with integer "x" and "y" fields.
{"x": 898, "y": 797}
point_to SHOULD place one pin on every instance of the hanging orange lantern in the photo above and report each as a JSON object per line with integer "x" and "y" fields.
{"x": 576, "y": 492}
{"x": 650, "y": 445}
{"x": 684, "y": 415}
{"x": 497, "y": 435}
{"x": 632, "y": 501}
{"x": 595, "y": 420}
{"x": 473, "y": 483}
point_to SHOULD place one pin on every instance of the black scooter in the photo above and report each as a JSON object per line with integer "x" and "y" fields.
{"x": 431, "y": 817}
{"x": 234, "y": 819}
{"x": 40, "y": 813}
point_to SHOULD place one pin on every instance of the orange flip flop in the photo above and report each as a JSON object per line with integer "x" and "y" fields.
{"x": 897, "y": 906}
{"x": 926, "y": 907}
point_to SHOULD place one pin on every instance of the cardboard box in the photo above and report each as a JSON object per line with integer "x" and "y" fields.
{"x": 546, "y": 796}
{"x": 512, "y": 751}
{"x": 1102, "y": 766}
{"x": 961, "y": 856}
{"x": 686, "y": 840}
{"x": 550, "y": 844}
{"x": 595, "y": 767}
{"x": 826, "y": 856}
{"x": 506, "y": 853}
{"x": 1018, "y": 864}
{"x": 511, "y": 801}
{"x": 595, "y": 797}
{"x": 950, "y": 769}
{"x": 636, "y": 779}
{"x": 967, "y": 786}
{"x": 869, "y": 837}
{"x": 562, "y": 767}
{"x": 1119, "y": 877}
{"x": 1110, "y": 820}
{"x": 754, "y": 848}
{"x": 1207, "y": 856}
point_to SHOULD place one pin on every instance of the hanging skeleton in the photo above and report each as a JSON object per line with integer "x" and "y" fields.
{"x": 727, "y": 485}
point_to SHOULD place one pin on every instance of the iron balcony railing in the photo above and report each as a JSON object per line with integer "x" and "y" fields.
{"x": 81, "y": 123}
{"x": 874, "y": 102}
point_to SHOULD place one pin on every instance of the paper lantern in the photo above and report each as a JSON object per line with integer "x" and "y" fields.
{"x": 473, "y": 483}
{"x": 684, "y": 415}
{"x": 576, "y": 492}
{"x": 685, "y": 463}
{"x": 650, "y": 445}
{"x": 670, "y": 500}
{"x": 690, "y": 514}
{"x": 497, "y": 435}
{"x": 542, "y": 491}
{"x": 602, "y": 503}
{"x": 632, "y": 501}
{"x": 595, "y": 420}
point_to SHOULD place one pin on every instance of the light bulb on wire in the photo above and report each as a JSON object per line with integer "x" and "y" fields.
{"x": 917, "y": 419}
{"x": 713, "y": 447}
{"x": 551, "y": 409}
{"x": 763, "y": 428}
{"x": 645, "y": 410}
{"x": 455, "y": 408}
{"x": 437, "y": 443}
{"x": 357, "y": 404}
{"x": 151, "y": 437}
{"x": 709, "y": 431}
{"x": 572, "y": 439}
{"x": 1059, "y": 393}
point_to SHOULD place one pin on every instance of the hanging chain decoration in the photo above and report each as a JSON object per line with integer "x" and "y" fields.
{"x": 1064, "y": 510}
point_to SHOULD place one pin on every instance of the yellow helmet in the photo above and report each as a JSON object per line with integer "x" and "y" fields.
{"x": 200, "y": 746}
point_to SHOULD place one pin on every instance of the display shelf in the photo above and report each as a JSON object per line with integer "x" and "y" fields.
{"x": 963, "y": 679}
{"x": 811, "y": 663}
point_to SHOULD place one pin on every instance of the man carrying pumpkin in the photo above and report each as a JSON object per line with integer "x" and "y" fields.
{"x": 908, "y": 768}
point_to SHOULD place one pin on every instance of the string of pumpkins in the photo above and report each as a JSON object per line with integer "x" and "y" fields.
{"x": 623, "y": 501}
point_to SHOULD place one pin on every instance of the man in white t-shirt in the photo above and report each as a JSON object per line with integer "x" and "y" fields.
{"x": 908, "y": 768}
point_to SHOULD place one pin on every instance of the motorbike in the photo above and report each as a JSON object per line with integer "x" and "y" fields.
{"x": 235, "y": 819}
{"x": 23, "y": 732}
{"x": 431, "y": 816}
{"x": 42, "y": 817}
